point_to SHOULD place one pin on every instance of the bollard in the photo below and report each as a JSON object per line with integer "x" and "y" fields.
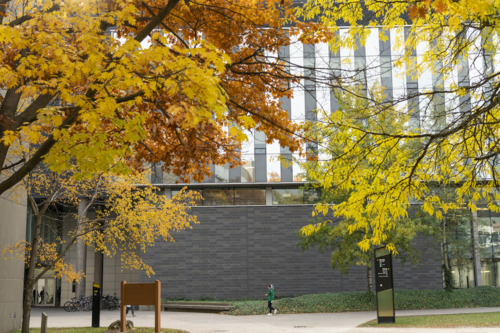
{"x": 96, "y": 305}
{"x": 43, "y": 329}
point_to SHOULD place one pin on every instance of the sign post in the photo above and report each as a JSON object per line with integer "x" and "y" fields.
{"x": 140, "y": 294}
{"x": 384, "y": 286}
{"x": 96, "y": 305}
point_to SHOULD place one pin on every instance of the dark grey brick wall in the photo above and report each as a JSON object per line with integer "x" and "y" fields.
{"x": 235, "y": 252}
{"x": 427, "y": 275}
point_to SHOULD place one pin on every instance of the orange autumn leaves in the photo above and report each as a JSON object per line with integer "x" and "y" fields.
{"x": 421, "y": 9}
{"x": 456, "y": 10}
{"x": 253, "y": 83}
{"x": 179, "y": 83}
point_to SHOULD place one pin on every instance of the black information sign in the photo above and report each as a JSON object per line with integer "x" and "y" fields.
{"x": 96, "y": 305}
{"x": 384, "y": 286}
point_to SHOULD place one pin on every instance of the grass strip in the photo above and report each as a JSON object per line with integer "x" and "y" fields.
{"x": 362, "y": 301}
{"x": 490, "y": 319}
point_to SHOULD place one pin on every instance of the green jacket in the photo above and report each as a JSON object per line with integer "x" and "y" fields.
{"x": 270, "y": 295}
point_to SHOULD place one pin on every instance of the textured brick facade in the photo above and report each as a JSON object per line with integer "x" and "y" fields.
{"x": 235, "y": 252}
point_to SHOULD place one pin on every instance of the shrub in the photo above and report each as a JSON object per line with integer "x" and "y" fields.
{"x": 449, "y": 284}
{"x": 404, "y": 299}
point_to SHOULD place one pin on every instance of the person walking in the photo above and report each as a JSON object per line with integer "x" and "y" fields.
{"x": 130, "y": 307}
{"x": 270, "y": 299}
{"x": 42, "y": 295}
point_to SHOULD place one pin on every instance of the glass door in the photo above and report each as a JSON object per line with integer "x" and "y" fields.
{"x": 50, "y": 291}
{"x": 40, "y": 290}
{"x": 44, "y": 293}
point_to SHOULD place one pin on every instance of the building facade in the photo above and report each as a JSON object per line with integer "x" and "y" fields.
{"x": 235, "y": 252}
{"x": 13, "y": 229}
{"x": 250, "y": 213}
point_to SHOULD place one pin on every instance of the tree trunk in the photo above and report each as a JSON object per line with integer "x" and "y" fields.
{"x": 369, "y": 278}
{"x": 445, "y": 248}
{"x": 476, "y": 255}
{"x": 81, "y": 248}
{"x": 30, "y": 279}
{"x": 99, "y": 257}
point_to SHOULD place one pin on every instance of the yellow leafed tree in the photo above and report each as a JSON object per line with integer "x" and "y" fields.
{"x": 128, "y": 219}
{"x": 389, "y": 148}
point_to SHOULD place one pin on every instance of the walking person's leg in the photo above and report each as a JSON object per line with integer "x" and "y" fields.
{"x": 270, "y": 306}
{"x": 132, "y": 308}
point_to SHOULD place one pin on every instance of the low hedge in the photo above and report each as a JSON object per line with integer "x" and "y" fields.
{"x": 362, "y": 301}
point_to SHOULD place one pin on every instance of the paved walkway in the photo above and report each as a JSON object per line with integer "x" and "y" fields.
{"x": 290, "y": 323}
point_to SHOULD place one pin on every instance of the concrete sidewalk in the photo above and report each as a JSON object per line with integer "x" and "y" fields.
{"x": 290, "y": 323}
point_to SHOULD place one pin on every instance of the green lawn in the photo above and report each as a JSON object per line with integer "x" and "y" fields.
{"x": 361, "y": 301}
{"x": 99, "y": 330}
{"x": 404, "y": 299}
{"x": 491, "y": 319}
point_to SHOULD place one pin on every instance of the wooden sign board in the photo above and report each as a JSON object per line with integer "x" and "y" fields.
{"x": 140, "y": 294}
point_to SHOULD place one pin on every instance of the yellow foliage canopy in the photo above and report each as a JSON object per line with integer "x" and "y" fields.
{"x": 128, "y": 219}
{"x": 388, "y": 152}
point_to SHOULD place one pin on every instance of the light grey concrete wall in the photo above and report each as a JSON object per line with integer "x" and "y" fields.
{"x": 12, "y": 229}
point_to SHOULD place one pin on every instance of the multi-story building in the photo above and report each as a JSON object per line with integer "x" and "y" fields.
{"x": 250, "y": 213}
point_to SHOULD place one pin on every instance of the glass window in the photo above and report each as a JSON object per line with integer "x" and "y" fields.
{"x": 287, "y": 197}
{"x": 49, "y": 273}
{"x": 467, "y": 275}
{"x": 463, "y": 71}
{"x": 495, "y": 239}
{"x": 260, "y": 167}
{"x": 273, "y": 168}
{"x": 286, "y": 168}
{"x": 260, "y": 139}
{"x": 312, "y": 196}
{"x": 484, "y": 230}
{"x": 309, "y": 66}
{"x": 160, "y": 193}
{"x": 211, "y": 179}
{"x": 360, "y": 67}
{"x": 169, "y": 178}
{"x": 197, "y": 202}
{"x": 156, "y": 173}
{"x": 497, "y": 272}
{"x": 247, "y": 147}
{"x": 218, "y": 197}
{"x": 298, "y": 171}
{"x": 335, "y": 67}
{"x": 455, "y": 271}
{"x": 487, "y": 273}
{"x": 386, "y": 67}
{"x": 251, "y": 196}
{"x": 248, "y": 169}
{"x": 222, "y": 173}
{"x": 460, "y": 233}
{"x": 235, "y": 174}
{"x": 298, "y": 105}
{"x": 50, "y": 228}
{"x": 495, "y": 233}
